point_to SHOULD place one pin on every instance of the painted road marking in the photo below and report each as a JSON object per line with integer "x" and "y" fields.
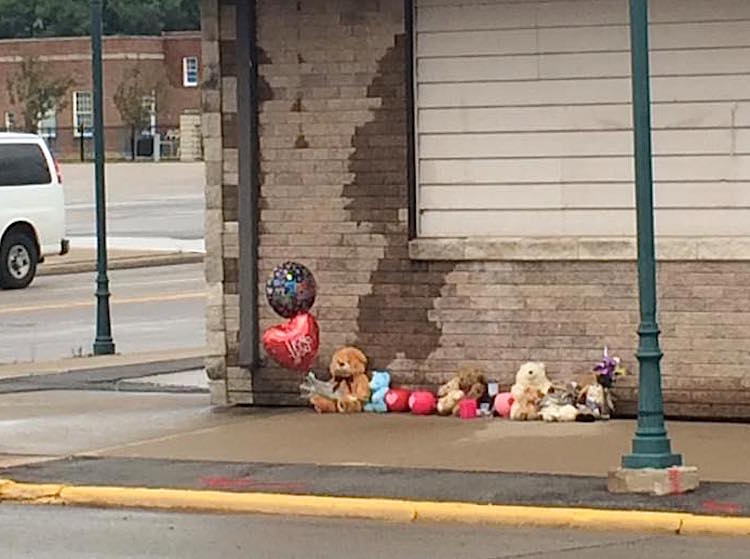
{"x": 115, "y": 301}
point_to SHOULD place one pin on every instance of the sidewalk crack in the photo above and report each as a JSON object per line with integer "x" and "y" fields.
{"x": 573, "y": 548}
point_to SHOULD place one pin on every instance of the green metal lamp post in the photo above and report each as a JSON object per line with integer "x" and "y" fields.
{"x": 651, "y": 446}
{"x": 103, "y": 344}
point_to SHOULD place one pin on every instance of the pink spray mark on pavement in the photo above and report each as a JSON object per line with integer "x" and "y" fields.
{"x": 249, "y": 484}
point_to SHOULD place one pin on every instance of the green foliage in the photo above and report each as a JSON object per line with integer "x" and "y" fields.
{"x": 65, "y": 18}
{"x": 130, "y": 97}
{"x": 33, "y": 88}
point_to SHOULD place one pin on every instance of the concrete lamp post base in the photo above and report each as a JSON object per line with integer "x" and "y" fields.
{"x": 659, "y": 482}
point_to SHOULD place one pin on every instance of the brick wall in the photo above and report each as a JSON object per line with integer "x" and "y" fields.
{"x": 333, "y": 196}
{"x": 158, "y": 58}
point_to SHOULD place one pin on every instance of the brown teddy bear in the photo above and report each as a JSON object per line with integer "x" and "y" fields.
{"x": 349, "y": 382}
{"x": 468, "y": 382}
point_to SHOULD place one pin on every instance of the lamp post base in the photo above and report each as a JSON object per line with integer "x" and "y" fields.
{"x": 104, "y": 347}
{"x": 654, "y": 481}
{"x": 651, "y": 447}
{"x": 637, "y": 461}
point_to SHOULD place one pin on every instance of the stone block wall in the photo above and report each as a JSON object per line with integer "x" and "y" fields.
{"x": 334, "y": 197}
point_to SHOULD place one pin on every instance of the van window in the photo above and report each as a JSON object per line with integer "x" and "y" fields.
{"x": 22, "y": 164}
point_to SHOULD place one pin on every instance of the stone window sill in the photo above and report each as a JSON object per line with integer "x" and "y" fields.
{"x": 577, "y": 249}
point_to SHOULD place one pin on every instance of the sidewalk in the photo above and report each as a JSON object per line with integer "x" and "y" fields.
{"x": 383, "y": 466}
{"x": 80, "y": 260}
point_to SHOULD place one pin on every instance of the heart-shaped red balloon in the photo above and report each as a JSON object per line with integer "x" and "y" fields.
{"x": 294, "y": 344}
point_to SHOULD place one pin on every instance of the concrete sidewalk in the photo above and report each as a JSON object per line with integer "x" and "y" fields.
{"x": 397, "y": 467}
{"x": 176, "y": 451}
{"x": 406, "y": 441}
{"x": 80, "y": 260}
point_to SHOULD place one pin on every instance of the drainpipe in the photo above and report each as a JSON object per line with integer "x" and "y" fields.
{"x": 247, "y": 130}
{"x": 411, "y": 161}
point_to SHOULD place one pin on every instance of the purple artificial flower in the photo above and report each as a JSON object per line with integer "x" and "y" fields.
{"x": 606, "y": 369}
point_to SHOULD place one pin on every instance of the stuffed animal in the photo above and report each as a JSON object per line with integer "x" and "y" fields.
{"x": 530, "y": 387}
{"x": 349, "y": 383}
{"x": 379, "y": 384}
{"x": 597, "y": 400}
{"x": 467, "y": 383}
{"x": 503, "y": 403}
{"x": 449, "y": 402}
{"x": 559, "y": 404}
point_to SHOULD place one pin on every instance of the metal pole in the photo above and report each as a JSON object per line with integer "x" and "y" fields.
{"x": 81, "y": 132}
{"x": 103, "y": 345}
{"x": 651, "y": 446}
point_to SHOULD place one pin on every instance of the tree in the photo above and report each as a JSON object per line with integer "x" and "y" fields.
{"x": 66, "y": 18}
{"x": 37, "y": 92}
{"x": 136, "y": 98}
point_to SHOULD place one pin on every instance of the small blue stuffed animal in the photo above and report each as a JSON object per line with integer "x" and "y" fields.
{"x": 381, "y": 381}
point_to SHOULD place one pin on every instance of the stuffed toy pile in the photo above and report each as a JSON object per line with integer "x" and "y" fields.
{"x": 535, "y": 397}
{"x": 532, "y": 397}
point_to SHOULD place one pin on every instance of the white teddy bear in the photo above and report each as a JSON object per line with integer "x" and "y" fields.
{"x": 531, "y": 386}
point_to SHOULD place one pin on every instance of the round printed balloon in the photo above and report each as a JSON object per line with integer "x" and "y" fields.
{"x": 291, "y": 289}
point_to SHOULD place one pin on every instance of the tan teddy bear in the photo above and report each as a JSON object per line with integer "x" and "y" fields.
{"x": 349, "y": 382}
{"x": 530, "y": 387}
{"x": 468, "y": 382}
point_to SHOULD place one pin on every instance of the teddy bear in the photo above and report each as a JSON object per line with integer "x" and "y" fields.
{"x": 379, "y": 385}
{"x": 530, "y": 387}
{"x": 349, "y": 383}
{"x": 468, "y": 382}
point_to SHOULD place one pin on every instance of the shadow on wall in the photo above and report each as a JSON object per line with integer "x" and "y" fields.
{"x": 394, "y": 328}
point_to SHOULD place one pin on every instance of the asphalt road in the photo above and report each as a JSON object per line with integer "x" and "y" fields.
{"x": 144, "y": 200}
{"x": 152, "y": 309}
{"x": 59, "y": 533}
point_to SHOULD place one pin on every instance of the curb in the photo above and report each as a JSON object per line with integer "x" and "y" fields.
{"x": 391, "y": 510}
{"x": 125, "y": 263}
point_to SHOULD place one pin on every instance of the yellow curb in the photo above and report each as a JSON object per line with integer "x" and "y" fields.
{"x": 393, "y": 510}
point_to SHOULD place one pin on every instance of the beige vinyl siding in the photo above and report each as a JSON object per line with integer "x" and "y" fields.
{"x": 523, "y": 118}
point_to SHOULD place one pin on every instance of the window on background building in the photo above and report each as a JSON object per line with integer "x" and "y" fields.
{"x": 190, "y": 71}
{"x": 10, "y": 121}
{"x": 47, "y": 126}
{"x": 83, "y": 112}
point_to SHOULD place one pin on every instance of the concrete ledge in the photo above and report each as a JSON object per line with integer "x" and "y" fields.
{"x": 130, "y": 364}
{"x": 373, "y": 508}
{"x": 670, "y": 481}
{"x": 577, "y": 248}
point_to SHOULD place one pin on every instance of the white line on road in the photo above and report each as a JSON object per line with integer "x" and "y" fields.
{"x": 139, "y": 203}
{"x": 115, "y": 301}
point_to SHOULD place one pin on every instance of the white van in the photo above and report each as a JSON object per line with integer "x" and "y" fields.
{"x": 32, "y": 209}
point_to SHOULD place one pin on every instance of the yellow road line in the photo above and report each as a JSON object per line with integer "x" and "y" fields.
{"x": 115, "y": 301}
{"x": 377, "y": 509}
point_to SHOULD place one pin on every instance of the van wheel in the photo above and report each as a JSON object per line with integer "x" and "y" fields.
{"x": 18, "y": 259}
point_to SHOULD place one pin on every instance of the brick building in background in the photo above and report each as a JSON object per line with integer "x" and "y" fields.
{"x": 459, "y": 177}
{"x": 173, "y": 59}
